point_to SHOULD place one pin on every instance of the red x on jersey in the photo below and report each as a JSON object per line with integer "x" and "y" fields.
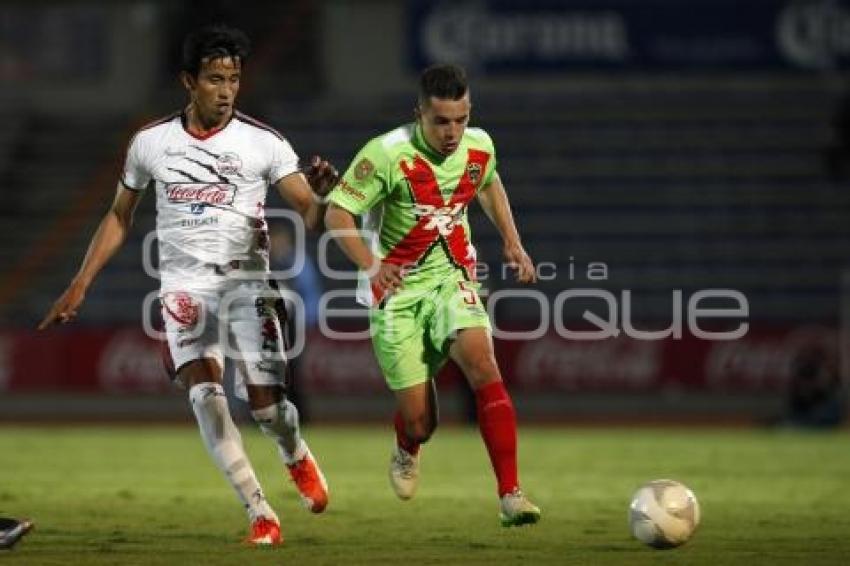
{"x": 438, "y": 220}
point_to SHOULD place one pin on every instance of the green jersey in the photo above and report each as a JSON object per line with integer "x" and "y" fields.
{"x": 414, "y": 202}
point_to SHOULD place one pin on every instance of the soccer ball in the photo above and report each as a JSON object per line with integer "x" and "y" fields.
{"x": 664, "y": 514}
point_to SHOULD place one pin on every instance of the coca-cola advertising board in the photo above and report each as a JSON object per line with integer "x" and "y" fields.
{"x": 125, "y": 360}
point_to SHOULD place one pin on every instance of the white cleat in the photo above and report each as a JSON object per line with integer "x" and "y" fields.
{"x": 517, "y": 510}
{"x": 404, "y": 473}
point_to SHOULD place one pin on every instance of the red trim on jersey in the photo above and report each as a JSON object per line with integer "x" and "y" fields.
{"x": 413, "y": 246}
{"x": 205, "y": 136}
{"x": 184, "y": 121}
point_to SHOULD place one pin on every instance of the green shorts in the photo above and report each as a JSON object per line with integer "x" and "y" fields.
{"x": 412, "y": 333}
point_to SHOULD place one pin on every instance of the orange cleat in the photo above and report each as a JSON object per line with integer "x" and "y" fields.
{"x": 310, "y": 481}
{"x": 264, "y": 532}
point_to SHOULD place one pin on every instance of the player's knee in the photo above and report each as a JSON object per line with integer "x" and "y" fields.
{"x": 260, "y": 396}
{"x": 203, "y": 370}
{"x": 267, "y": 416}
{"x": 481, "y": 370}
{"x": 277, "y": 417}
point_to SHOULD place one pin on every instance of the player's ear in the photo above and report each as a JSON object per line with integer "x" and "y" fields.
{"x": 188, "y": 81}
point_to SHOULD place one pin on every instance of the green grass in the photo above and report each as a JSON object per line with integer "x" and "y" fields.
{"x": 151, "y": 496}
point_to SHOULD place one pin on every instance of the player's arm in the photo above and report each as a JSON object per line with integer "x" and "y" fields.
{"x": 341, "y": 223}
{"x": 305, "y": 191}
{"x": 108, "y": 238}
{"x": 494, "y": 201}
{"x": 363, "y": 186}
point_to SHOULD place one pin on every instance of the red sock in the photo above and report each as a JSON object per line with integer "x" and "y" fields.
{"x": 401, "y": 438}
{"x": 497, "y": 421}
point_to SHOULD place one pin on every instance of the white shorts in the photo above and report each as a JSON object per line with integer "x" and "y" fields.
{"x": 238, "y": 321}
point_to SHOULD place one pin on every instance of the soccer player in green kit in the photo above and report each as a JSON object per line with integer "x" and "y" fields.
{"x": 413, "y": 186}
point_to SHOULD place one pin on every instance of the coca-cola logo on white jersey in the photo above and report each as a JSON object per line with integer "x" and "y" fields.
{"x": 220, "y": 194}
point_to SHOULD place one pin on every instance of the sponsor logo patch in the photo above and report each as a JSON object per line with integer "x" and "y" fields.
{"x": 228, "y": 163}
{"x": 349, "y": 190}
{"x": 198, "y": 222}
{"x": 220, "y": 194}
{"x": 182, "y": 307}
{"x": 175, "y": 151}
{"x": 474, "y": 172}
{"x": 443, "y": 218}
{"x": 363, "y": 169}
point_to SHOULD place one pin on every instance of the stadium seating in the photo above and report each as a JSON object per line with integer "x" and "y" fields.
{"x": 674, "y": 184}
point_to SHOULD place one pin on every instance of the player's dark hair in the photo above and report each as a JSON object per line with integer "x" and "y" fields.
{"x": 213, "y": 42}
{"x": 447, "y": 82}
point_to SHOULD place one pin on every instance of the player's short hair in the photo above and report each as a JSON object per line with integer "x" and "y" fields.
{"x": 213, "y": 42}
{"x": 447, "y": 82}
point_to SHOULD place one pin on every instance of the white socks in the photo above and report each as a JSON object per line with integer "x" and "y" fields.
{"x": 280, "y": 422}
{"x": 224, "y": 443}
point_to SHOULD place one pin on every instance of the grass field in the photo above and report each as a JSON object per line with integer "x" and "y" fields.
{"x": 150, "y": 495}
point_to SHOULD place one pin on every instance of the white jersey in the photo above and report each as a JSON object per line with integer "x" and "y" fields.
{"x": 210, "y": 194}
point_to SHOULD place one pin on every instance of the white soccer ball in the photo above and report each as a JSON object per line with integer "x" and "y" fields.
{"x": 664, "y": 514}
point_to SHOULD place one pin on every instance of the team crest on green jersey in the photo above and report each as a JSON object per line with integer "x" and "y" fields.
{"x": 474, "y": 172}
{"x": 363, "y": 169}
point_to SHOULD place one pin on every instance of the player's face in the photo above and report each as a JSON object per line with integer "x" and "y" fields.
{"x": 213, "y": 91}
{"x": 444, "y": 121}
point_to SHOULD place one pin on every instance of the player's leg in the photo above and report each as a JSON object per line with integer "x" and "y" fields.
{"x": 461, "y": 327}
{"x": 261, "y": 377}
{"x": 472, "y": 350}
{"x": 224, "y": 444}
{"x": 417, "y": 415}
{"x": 398, "y": 338}
{"x": 416, "y": 418}
{"x": 193, "y": 349}
{"x": 277, "y": 417}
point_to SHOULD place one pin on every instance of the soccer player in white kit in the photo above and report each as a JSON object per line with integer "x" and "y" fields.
{"x": 210, "y": 167}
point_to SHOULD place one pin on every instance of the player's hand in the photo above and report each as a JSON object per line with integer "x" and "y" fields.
{"x": 519, "y": 261}
{"x": 65, "y": 308}
{"x": 321, "y": 175}
{"x": 388, "y": 277}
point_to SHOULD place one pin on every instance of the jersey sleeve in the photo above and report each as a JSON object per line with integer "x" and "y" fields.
{"x": 367, "y": 180}
{"x": 284, "y": 160}
{"x": 136, "y": 174}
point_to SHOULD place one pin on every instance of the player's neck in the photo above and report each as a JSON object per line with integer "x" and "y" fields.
{"x": 422, "y": 141}
{"x": 201, "y": 126}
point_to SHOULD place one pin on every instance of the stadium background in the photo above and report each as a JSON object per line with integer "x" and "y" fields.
{"x": 686, "y": 145}
{"x": 686, "y": 148}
